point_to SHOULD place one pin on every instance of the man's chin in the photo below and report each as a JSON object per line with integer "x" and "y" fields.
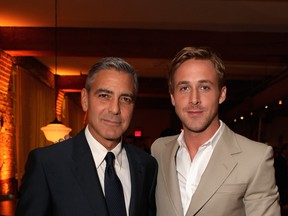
{"x": 114, "y": 138}
{"x": 196, "y": 129}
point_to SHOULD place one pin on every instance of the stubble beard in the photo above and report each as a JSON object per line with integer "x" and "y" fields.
{"x": 199, "y": 124}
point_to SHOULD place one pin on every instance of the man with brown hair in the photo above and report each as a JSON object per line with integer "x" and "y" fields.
{"x": 208, "y": 169}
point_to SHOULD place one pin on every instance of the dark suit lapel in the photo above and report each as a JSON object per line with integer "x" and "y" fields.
{"x": 137, "y": 177}
{"x": 86, "y": 175}
{"x": 168, "y": 169}
{"x": 218, "y": 169}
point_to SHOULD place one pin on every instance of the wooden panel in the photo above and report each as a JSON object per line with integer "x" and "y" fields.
{"x": 244, "y": 46}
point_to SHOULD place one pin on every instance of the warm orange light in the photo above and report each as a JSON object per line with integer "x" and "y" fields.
{"x": 55, "y": 131}
{"x": 7, "y": 169}
{"x": 10, "y": 17}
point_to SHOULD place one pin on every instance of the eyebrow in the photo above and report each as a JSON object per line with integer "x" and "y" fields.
{"x": 104, "y": 90}
{"x": 100, "y": 90}
{"x": 199, "y": 81}
{"x": 206, "y": 81}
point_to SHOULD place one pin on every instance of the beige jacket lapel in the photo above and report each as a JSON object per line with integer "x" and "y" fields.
{"x": 218, "y": 169}
{"x": 170, "y": 176}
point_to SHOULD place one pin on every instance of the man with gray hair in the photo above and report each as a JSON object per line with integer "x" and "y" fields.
{"x": 74, "y": 177}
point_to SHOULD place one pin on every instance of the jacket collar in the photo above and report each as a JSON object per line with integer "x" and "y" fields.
{"x": 86, "y": 174}
{"x": 220, "y": 166}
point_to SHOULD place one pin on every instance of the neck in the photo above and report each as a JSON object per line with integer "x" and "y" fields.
{"x": 194, "y": 140}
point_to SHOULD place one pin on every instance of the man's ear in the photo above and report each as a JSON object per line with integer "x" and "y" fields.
{"x": 222, "y": 97}
{"x": 172, "y": 99}
{"x": 84, "y": 100}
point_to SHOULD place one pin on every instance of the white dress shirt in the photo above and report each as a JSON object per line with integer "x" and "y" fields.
{"x": 189, "y": 171}
{"x": 121, "y": 165}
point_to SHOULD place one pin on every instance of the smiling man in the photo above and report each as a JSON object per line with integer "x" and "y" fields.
{"x": 69, "y": 178}
{"x": 208, "y": 169}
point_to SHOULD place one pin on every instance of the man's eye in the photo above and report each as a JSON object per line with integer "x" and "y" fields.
{"x": 127, "y": 100}
{"x": 205, "y": 88}
{"x": 184, "y": 88}
{"x": 103, "y": 96}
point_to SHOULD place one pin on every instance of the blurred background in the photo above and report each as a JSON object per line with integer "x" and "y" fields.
{"x": 47, "y": 47}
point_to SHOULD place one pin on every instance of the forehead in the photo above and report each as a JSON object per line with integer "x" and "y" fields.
{"x": 194, "y": 69}
{"x": 113, "y": 79}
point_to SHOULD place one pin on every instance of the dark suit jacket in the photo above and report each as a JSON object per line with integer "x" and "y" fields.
{"x": 61, "y": 179}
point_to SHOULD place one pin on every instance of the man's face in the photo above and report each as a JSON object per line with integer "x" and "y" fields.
{"x": 109, "y": 105}
{"x": 197, "y": 96}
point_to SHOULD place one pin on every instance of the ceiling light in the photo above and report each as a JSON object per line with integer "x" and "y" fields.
{"x": 55, "y": 131}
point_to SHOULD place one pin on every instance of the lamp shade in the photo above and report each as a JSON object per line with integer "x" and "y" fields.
{"x": 55, "y": 130}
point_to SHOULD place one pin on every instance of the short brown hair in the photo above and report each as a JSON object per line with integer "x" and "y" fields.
{"x": 202, "y": 53}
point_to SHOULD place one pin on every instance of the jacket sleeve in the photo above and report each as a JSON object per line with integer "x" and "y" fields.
{"x": 262, "y": 197}
{"x": 34, "y": 196}
{"x": 152, "y": 201}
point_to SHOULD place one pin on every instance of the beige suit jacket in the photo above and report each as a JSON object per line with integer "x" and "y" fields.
{"x": 239, "y": 179}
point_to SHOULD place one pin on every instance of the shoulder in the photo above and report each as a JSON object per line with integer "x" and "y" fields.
{"x": 248, "y": 147}
{"x": 249, "y": 144}
{"x": 164, "y": 141}
{"x": 55, "y": 146}
{"x": 59, "y": 151}
{"x": 50, "y": 154}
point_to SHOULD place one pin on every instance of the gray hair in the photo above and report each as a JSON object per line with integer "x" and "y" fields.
{"x": 111, "y": 63}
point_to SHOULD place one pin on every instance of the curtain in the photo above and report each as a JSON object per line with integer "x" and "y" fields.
{"x": 35, "y": 108}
